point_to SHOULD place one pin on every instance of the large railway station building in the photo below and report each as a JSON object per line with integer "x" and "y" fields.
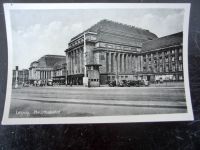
{"x": 123, "y": 52}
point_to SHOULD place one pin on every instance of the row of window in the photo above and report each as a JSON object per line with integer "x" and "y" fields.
{"x": 80, "y": 40}
{"x": 173, "y": 68}
{"x": 166, "y": 53}
{"x": 106, "y": 45}
{"x": 76, "y": 42}
{"x": 166, "y": 59}
{"x": 97, "y": 80}
{"x": 113, "y": 77}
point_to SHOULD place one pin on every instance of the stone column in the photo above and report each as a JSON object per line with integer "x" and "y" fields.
{"x": 109, "y": 62}
{"x": 170, "y": 61}
{"x": 80, "y": 60}
{"x": 118, "y": 61}
{"x": 152, "y": 62}
{"x": 163, "y": 59}
{"x": 147, "y": 62}
{"x": 114, "y": 63}
{"x": 134, "y": 65}
{"x": 176, "y": 59}
{"x": 122, "y": 63}
{"x": 139, "y": 62}
{"x": 142, "y": 63}
{"x": 128, "y": 63}
{"x": 116, "y": 67}
{"x": 47, "y": 74}
{"x": 77, "y": 54}
{"x": 69, "y": 66}
{"x": 40, "y": 75}
{"x": 75, "y": 62}
{"x": 72, "y": 62}
{"x": 158, "y": 62}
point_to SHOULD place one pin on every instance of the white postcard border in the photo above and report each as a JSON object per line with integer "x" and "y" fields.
{"x": 98, "y": 119}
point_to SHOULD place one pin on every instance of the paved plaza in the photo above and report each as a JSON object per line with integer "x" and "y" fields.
{"x": 102, "y": 101}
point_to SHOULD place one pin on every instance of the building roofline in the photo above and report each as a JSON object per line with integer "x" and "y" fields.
{"x": 115, "y": 22}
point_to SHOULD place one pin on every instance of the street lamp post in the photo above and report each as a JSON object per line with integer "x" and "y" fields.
{"x": 16, "y": 77}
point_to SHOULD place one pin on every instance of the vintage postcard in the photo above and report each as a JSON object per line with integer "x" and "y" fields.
{"x": 97, "y": 63}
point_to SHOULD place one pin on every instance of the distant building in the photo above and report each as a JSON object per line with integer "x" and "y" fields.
{"x": 59, "y": 72}
{"x": 43, "y": 69}
{"x": 20, "y": 76}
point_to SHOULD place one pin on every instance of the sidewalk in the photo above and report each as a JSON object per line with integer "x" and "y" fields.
{"x": 167, "y": 84}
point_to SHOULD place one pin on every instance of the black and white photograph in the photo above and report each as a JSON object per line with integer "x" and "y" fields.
{"x": 97, "y": 63}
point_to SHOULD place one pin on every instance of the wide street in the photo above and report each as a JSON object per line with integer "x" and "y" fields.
{"x": 102, "y": 101}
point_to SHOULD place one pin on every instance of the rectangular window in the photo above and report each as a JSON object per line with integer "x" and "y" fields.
{"x": 180, "y": 57}
{"x": 180, "y": 77}
{"x": 173, "y": 58}
{"x": 97, "y": 45}
{"x": 110, "y": 46}
{"x": 173, "y": 68}
{"x": 93, "y": 38}
{"x": 161, "y": 68}
{"x": 102, "y": 44}
{"x": 102, "y": 57}
{"x": 118, "y": 47}
{"x": 167, "y": 68}
{"x": 180, "y": 67}
{"x": 126, "y": 48}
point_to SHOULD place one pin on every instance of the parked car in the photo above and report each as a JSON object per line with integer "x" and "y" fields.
{"x": 124, "y": 83}
{"x": 145, "y": 82}
{"x": 112, "y": 83}
{"x": 26, "y": 84}
{"x": 50, "y": 82}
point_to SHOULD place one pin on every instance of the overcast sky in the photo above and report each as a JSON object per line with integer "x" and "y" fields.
{"x": 40, "y": 32}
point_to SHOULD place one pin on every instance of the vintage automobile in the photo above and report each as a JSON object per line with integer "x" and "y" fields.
{"x": 124, "y": 83}
{"x": 26, "y": 84}
{"x": 50, "y": 82}
{"x": 112, "y": 83}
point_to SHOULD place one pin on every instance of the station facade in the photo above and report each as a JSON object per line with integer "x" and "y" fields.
{"x": 123, "y": 52}
{"x": 47, "y": 68}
